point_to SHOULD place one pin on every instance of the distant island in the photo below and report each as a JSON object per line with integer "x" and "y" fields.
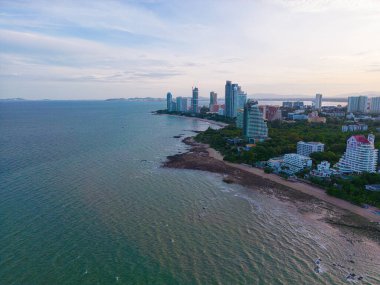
{"x": 145, "y": 99}
{"x": 13, "y": 99}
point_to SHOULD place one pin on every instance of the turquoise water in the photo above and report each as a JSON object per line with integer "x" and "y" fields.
{"x": 83, "y": 200}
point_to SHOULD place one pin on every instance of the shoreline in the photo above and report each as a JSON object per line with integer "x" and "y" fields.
{"x": 211, "y": 122}
{"x": 309, "y": 189}
{"x": 310, "y": 201}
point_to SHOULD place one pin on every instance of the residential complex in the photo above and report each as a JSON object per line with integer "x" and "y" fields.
{"x": 357, "y": 104}
{"x": 375, "y": 105}
{"x": 254, "y": 126}
{"x": 306, "y": 148}
{"x": 360, "y": 155}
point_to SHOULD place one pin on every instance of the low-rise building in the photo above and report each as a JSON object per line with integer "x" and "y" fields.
{"x": 323, "y": 170}
{"x": 294, "y": 163}
{"x": 275, "y": 163}
{"x": 297, "y": 117}
{"x": 373, "y": 187}
{"x": 306, "y": 148}
{"x": 354, "y": 128}
{"x": 313, "y": 117}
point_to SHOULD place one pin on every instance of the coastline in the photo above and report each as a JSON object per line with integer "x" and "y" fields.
{"x": 211, "y": 122}
{"x": 312, "y": 202}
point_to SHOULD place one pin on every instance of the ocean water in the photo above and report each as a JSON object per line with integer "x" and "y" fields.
{"x": 83, "y": 200}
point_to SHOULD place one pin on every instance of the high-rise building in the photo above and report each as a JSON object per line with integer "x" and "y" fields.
{"x": 229, "y": 100}
{"x": 194, "y": 101}
{"x": 181, "y": 104}
{"x": 240, "y": 118}
{"x": 357, "y": 104}
{"x": 318, "y": 101}
{"x": 169, "y": 100}
{"x": 235, "y": 99}
{"x": 360, "y": 155}
{"x": 287, "y": 104}
{"x": 254, "y": 127}
{"x": 306, "y": 148}
{"x": 213, "y": 102}
{"x": 375, "y": 105}
{"x": 213, "y": 98}
{"x": 241, "y": 99}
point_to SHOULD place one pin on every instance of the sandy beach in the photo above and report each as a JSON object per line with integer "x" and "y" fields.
{"x": 311, "y": 201}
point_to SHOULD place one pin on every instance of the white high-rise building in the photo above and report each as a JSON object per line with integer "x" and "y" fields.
{"x": 357, "y": 104}
{"x": 306, "y": 148}
{"x": 375, "y": 105}
{"x": 360, "y": 155}
{"x": 318, "y": 101}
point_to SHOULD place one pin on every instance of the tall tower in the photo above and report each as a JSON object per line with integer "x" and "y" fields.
{"x": 254, "y": 127}
{"x": 169, "y": 99}
{"x": 194, "y": 100}
{"x": 213, "y": 99}
{"x": 318, "y": 101}
{"x": 228, "y": 99}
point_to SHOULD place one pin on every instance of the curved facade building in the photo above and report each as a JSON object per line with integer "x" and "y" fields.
{"x": 360, "y": 155}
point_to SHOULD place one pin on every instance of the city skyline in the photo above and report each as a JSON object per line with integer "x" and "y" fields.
{"x": 99, "y": 50}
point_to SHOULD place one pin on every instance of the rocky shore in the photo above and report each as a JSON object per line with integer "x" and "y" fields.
{"x": 354, "y": 226}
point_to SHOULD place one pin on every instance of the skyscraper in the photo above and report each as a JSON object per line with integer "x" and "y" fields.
{"x": 181, "y": 104}
{"x": 254, "y": 127}
{"x": 229, "y": 100}
{"x": 213, "y": 99}
{"x": 241, "y": 99}
{"x": 234, "y": 97}
{"x": 194, "y": 101}
{"x": 318, "y": 101}
{"x": 357, "y": 104}
{"x": 169, "y": 100}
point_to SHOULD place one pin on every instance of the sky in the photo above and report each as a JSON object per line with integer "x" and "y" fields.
{"x": 110, "y": 49}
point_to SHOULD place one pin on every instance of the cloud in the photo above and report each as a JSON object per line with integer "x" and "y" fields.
{"x": 176, "y": 44}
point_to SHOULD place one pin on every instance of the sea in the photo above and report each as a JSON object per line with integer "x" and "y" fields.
{"x": 84, "y": 200}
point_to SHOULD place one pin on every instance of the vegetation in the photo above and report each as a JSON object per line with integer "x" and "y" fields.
{"x": 203, "y": 115}
{"x": 283, "y": 139}
{"x": 352, "y": 188}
